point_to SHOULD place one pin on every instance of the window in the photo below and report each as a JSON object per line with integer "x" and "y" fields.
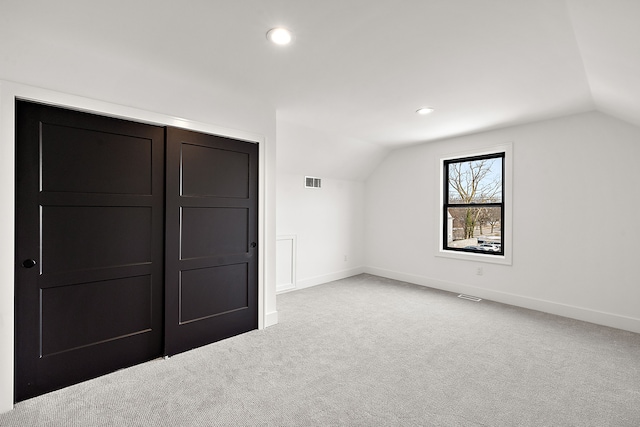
{"x": 473, "y": 212}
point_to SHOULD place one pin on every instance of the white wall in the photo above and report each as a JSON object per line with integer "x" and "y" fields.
{"x": 328, "y": 226}
{"x": 327, "y": 222}
{"x": 575, "y": 204}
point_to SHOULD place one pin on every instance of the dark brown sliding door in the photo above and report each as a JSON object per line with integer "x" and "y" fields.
{"x": 89, "y": 246}
{"x": 211, "y": 239}
{"x": 132, "y": 241}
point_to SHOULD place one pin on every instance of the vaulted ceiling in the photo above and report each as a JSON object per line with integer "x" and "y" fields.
{"x": 360, "y": 68}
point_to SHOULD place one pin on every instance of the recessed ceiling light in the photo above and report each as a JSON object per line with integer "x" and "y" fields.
{"x": 424, "y": 111}
{"x": 280, "y": 36}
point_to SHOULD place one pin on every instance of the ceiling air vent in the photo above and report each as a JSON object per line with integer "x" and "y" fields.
{"x": 312, "y": 182}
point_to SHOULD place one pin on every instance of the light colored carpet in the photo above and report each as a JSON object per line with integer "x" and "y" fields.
{"x": 367, "y": 351}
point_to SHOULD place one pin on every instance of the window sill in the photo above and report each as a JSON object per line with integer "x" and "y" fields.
{"x": 466, "y": 256}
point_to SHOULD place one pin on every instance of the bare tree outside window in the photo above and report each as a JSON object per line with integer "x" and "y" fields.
{"x": 473, "y": 198}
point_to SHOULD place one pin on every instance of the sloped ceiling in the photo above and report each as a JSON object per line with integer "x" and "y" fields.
{"x": 608, "y": 38}
{"x": 357, "y": 68}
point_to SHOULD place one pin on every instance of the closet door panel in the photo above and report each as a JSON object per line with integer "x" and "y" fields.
{"x": 89, "y": 246}
{"x": 211, "y": 239}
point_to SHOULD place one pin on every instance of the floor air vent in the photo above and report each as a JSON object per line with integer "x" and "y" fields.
{"x": 469, "y": 297}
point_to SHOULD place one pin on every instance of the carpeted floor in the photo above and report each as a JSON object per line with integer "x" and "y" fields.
{"x": 367, "y": 351}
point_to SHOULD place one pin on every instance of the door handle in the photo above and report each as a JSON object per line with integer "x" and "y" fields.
{"x": 28, "y": 263}
{"x": 254, "y": 244}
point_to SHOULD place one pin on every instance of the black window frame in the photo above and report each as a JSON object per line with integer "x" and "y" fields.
{"x": 446, "y": 205}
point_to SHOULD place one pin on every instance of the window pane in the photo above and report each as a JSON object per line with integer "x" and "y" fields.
{"x": 475, "y": 229}
{"x": 475, "y": 181}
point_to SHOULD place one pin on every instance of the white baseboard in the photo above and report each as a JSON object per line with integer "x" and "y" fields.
{"x": 593, "y": 316}
{"x": 285, "y": 289}
{"x": 318, "y": 280}
{"x": 271, "y": 319}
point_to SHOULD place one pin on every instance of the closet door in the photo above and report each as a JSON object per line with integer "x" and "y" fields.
{"x": 211, "y": 239}
{"x": 89, "y": 246}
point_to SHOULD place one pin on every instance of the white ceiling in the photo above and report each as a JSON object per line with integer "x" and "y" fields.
{"x": 360, "y": 68}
